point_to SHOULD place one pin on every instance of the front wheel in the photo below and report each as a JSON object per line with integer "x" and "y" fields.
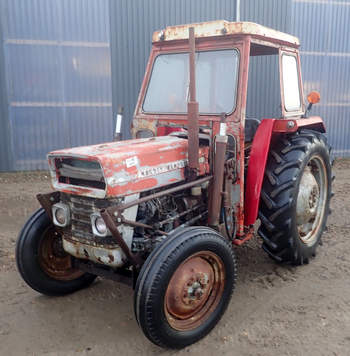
{"x": 42, "y": 262}
{"x": 184, "y": 287}
{"x": 295, "y": 197}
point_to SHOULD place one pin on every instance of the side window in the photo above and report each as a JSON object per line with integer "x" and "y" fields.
{"x": 291, "y": 90}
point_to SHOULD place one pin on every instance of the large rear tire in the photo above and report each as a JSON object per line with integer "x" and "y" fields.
{"x": 42, "y": 262}
{"x": 295, "y": 196}
{"x": 184, "y": 287}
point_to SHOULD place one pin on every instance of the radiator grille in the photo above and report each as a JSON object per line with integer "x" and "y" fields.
{"x": 81, "y": 208}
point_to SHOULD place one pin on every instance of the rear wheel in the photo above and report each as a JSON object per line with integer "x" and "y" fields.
{"x": 295, "y": 197}
{"x": 42, "y": 262}
{"x": 184, "y": 287}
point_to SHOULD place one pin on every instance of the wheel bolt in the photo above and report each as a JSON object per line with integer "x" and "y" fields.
{"x": 198, "y": 293}
{"x": 195, "y": 285}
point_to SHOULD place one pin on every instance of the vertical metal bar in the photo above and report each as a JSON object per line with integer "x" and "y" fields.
{"x": 242, "y": 90}
{"x": 118, "y": 124}
{"x": 238, "y": 10}
{"x": 192, "y": 64}
{"x": 192, "y": 113}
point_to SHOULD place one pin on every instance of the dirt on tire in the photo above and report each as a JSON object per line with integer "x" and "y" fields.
{"x": 275, "y": 310}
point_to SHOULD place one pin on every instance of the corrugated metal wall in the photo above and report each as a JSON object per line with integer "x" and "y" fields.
{"x": 270, "y": 13}
{"x": 57, "y": 88}
{"x": 132, "y": 25}
{"x": 5, "y": 141}
{"x": 323, "y": 28}
{"x": 58, "y": 76}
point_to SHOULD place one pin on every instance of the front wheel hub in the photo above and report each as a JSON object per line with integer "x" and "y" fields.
{"x": 194, "y": 290}
{"x": 53, "y": 260}
{"x": 189, "y": 287}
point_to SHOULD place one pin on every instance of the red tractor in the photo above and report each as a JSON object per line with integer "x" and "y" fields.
{"x": 164, "y": 210}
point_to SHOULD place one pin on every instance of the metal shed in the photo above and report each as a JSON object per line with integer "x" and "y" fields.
{"x": 66, "y": 65}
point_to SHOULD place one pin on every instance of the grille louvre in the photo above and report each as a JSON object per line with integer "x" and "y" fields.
{"x": 80, "y": 229}
{"x": 80, "y": 172}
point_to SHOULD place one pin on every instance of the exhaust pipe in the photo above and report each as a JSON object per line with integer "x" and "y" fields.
{"x": 192, "y": 114}
{"x": 216, "y": 192}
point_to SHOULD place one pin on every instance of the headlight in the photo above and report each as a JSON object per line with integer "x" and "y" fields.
{"x": 61, "y": 214}
{"x": 99, "y": 227}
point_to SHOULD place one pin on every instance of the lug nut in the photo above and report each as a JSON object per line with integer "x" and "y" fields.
{"x": 198, "y": 293}
{"x": 196, "y": 285}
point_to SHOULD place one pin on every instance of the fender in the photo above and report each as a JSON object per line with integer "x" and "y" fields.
{"x": 259, "y": 154}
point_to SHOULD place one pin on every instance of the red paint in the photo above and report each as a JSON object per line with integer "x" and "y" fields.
{"x": 246, "y": 236}
{"x": 256, "y": 169}
{"x": 259, "y": 153}
{"x": 313, "y": 122}
{"x": 159, "y": 156}
{"x": 166, "y": 130}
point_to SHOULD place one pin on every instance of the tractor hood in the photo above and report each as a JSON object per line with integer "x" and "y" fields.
{"x": 122, "y": 168}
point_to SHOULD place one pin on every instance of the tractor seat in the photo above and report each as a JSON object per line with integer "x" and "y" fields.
{"x": 251, "y": 125}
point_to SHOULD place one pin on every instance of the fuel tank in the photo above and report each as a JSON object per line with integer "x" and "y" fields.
{"x": 122, "y": 168}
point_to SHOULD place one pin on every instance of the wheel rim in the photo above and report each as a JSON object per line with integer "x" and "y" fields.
{"x": 311, "y": 201}
{"x": 53, "y": 260}
{"x": 194, "y": 290}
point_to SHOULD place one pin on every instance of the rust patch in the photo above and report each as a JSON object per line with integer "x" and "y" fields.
{"x": 223, "y": 28}
{"x": 132, "y": 166}
{"x": 144, "y": 124}
{"x": 194, "y": 291}
{"x": 249, "y": 233}
{"x": 47, "y": 200}
{"x": 53, "y": 260}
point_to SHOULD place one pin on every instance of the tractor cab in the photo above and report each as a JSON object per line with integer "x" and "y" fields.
{"x": 223, "y": 53}
{"x": 226, "y": 54}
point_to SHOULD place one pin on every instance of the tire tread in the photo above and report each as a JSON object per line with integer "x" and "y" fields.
{"x": 281, "y": 175}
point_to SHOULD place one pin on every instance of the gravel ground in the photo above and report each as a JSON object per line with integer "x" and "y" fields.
{"x": 275, "y": 310}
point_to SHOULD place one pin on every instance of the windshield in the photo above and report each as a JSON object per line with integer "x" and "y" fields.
{"x": 216, "y": 82}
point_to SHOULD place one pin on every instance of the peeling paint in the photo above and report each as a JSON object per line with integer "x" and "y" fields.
{"x": 113, "y": 257}
{"x": 131, "y": 166}
{"x": 222, "y": 28}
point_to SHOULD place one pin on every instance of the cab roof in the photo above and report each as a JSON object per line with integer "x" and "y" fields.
{"x": 224, "y": 28}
